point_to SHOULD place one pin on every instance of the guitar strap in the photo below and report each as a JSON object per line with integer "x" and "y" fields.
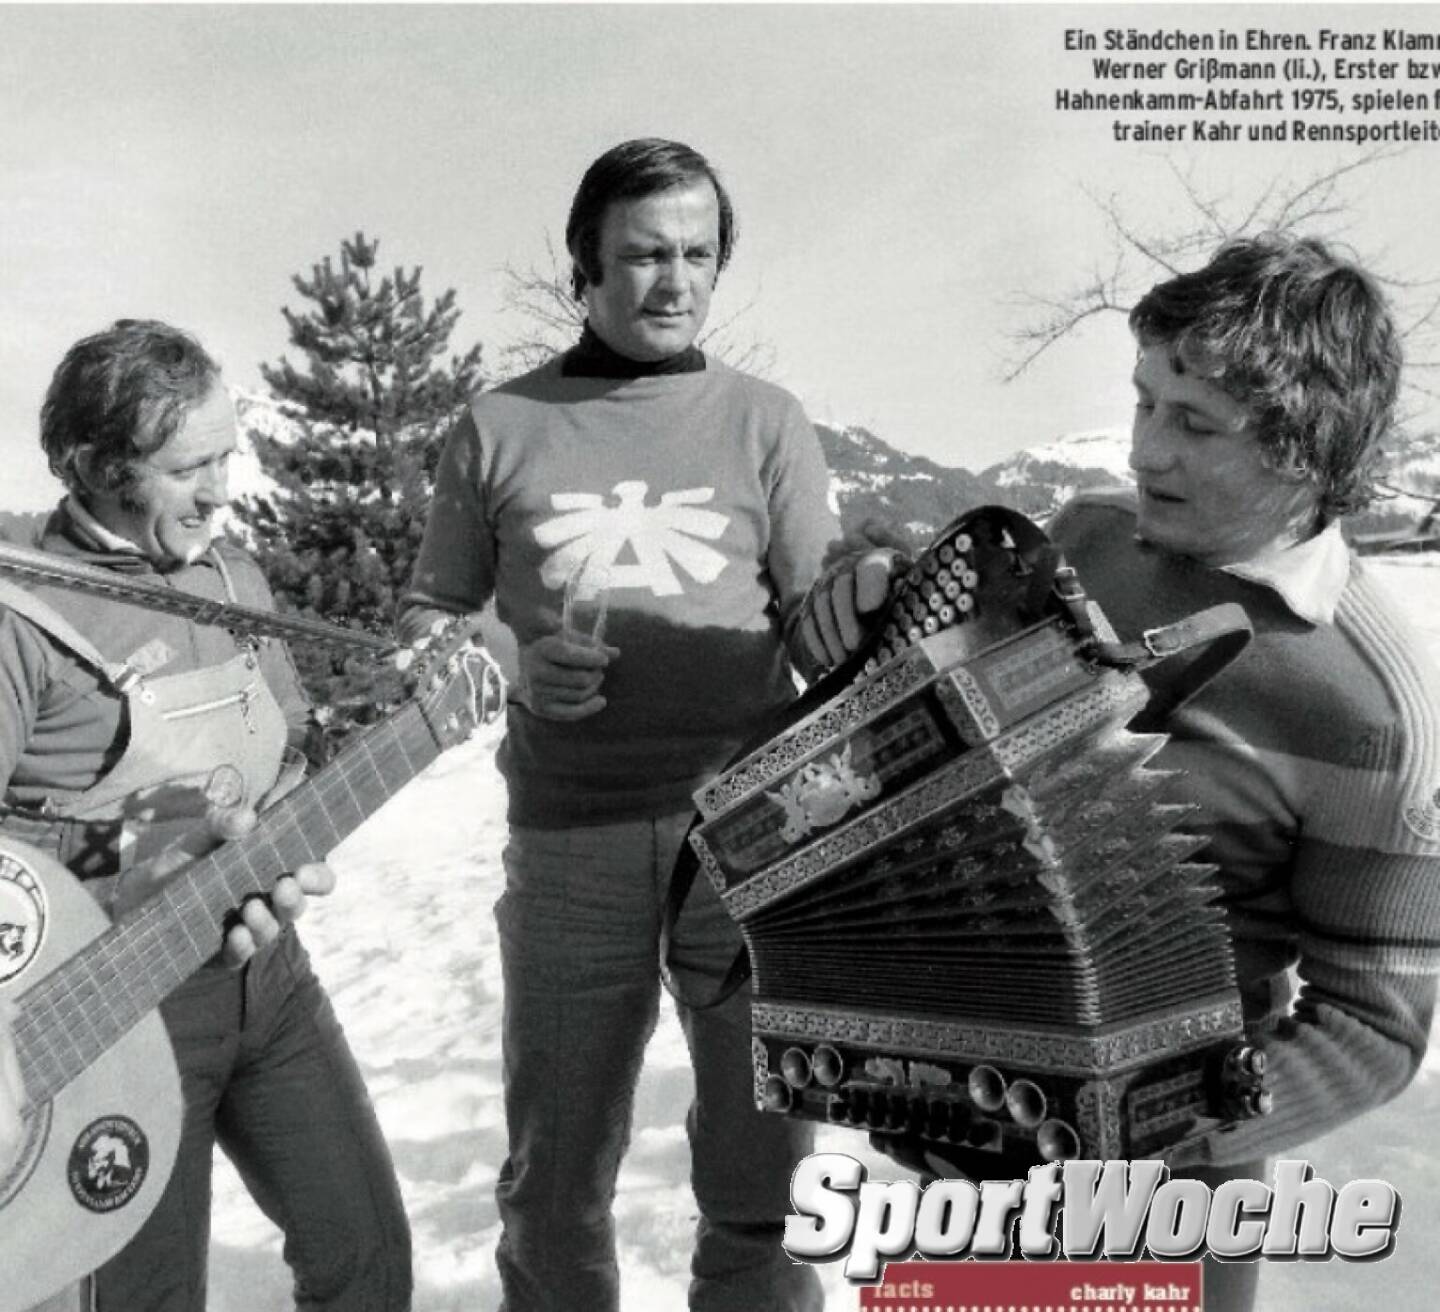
{"x": 49, "y": 620}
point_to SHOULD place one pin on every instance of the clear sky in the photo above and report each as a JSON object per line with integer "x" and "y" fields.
{"x": 901, "y": 173}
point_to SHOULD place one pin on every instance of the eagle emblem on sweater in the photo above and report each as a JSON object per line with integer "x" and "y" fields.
{"x": 615, "y": 541}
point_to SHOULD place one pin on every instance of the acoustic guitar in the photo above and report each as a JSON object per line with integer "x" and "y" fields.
{"x": 103, "y": 1107}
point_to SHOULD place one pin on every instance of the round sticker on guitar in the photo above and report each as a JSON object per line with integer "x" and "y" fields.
{"x": 22, "y": 916}
{"x": 108, "y": 1163}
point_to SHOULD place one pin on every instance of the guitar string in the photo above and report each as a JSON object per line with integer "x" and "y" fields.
{"x": 68, "y": 1007}
{"x": 64, "y": 1000}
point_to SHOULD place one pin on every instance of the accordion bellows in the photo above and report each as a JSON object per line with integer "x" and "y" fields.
{"x": 968, "y": 910}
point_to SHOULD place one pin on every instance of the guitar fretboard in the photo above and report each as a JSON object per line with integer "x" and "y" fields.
{"x": 82, "y": 1007}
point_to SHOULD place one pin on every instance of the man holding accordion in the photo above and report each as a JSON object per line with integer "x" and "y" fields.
{"x": 1265, "y": 383}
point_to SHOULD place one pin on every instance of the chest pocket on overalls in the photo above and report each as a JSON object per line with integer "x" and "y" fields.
{"x": 242, "y": 700}
{"x": 208, "y": 737}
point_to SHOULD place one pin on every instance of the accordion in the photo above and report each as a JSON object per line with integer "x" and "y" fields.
{"x": 968, "y": 912}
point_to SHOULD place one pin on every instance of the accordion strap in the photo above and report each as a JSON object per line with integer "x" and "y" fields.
{"x": 1213, "y": 638}
{"x": 682, "y": 878}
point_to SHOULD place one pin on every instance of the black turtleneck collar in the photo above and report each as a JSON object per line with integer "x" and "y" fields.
{"x": 592, "y": 358}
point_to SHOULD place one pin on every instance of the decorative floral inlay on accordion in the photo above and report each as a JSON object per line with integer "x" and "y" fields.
{"x": 970, "y": 912}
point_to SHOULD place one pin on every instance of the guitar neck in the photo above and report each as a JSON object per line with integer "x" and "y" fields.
{"x": 84, "y": 1006}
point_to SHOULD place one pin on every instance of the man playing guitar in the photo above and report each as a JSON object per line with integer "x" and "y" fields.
{"x": 120, "y": 731}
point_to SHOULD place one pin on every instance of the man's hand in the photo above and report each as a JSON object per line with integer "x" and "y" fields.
{"x": 259, "y": 920}
{"x": 12, "y": 1091}
{"x": 560, "y": 679}
{"x": 842, "y": 603}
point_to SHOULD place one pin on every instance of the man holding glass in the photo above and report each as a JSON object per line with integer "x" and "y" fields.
{"x": 648, "y": 521}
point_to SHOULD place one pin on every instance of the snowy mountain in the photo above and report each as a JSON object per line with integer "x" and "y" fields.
{"x": 1041, "y": 479}
{"x": 870, "y": 478}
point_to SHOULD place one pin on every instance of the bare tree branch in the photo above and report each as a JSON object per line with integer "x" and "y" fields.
{"x": 1064, "y": 315}
{"x": 1142, "y": 255}
{"x": 1299, "y": 205}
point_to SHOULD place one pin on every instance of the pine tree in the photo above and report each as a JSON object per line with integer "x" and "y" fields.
{"x": 371, "y": 401}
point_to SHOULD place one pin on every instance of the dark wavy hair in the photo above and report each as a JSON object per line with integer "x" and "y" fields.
{"x": 629, "y": 171}
{"x": 121, "y": 394}
{"x": 1305, "y": 340}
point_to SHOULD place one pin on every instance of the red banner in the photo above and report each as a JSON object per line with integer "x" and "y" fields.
{"x": 1036, "y": 1287}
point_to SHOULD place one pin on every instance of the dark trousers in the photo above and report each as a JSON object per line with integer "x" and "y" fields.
{"x": 267, "y": 1074}
{"x": 1229, "y": 1286}
{"x": 580, "y": 943}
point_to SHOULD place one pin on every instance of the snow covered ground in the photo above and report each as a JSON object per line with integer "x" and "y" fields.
{"x": 407, "y": 949}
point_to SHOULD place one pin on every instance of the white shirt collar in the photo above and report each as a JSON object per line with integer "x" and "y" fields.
{"x": 103, "y": 536}
{"x": 1308, "y": 576}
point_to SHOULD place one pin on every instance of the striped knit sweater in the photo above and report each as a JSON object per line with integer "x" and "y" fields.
{"x": 1316, "y": 760}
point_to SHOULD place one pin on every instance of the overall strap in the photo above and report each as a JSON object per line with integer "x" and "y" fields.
{"x": 226, "y": 579}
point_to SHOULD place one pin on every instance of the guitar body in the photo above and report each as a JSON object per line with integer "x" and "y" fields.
{"x": 95, "y": 1157}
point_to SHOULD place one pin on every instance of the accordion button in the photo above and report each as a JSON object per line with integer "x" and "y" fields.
{"x": 1250, "y": 1060}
